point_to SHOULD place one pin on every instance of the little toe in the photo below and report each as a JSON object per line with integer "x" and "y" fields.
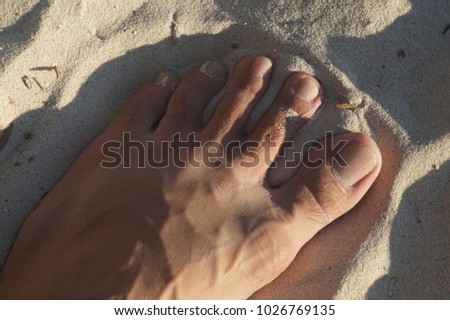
{"x": 298, "y": 100}
{"x": 248, "y": 83}
{"x": 333, "y": 178}
{"x": 146, "y": 107}
{"x": 194, "y": 92}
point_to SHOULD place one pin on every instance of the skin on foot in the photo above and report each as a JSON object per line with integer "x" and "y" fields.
{"x": 209, "y": 230}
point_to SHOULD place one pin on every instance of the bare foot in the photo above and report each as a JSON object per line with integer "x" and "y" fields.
{"x": 214, "y": 229}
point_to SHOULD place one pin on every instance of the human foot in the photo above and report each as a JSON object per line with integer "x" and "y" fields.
{"x": 214, "y": 229}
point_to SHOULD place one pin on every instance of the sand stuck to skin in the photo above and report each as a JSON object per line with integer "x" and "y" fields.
{"x": 67, "y": 66}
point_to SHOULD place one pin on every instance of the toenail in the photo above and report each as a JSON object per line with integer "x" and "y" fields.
{"x": 260, "y": 66}
{"x": 213, "y": 70}
{"x": 307, "y": 88}
{"x": 162, "y": 79}
{"x": 358, "y": 162}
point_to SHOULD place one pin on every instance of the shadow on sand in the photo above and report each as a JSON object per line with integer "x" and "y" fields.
{"x": 319, "y": 267}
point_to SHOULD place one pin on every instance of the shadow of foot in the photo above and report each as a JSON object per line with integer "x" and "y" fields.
{"x": 419, "y": 242}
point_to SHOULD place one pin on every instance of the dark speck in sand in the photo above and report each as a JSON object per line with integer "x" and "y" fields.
{"x": 27, "y": 135}
{"x": 401, "y": 54}
{"x": 235, "y": 45}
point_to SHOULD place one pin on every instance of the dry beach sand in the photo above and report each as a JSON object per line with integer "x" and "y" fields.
{"x": 67, "y": 66}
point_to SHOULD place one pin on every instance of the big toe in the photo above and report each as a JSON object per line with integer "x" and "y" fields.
{"x": 333, "y": 178}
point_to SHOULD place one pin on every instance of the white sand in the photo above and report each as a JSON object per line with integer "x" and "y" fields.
{"x": 392, "y": 55}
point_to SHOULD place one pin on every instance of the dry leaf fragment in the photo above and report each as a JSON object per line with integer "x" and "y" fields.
{"x": 345, "y": 103}
{"x": 348, "y": 105}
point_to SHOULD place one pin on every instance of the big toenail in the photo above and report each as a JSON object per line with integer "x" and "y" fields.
{"x": 162, "y": 79}
{"x": 260, "y": 66}
{"x": 306, "y": 88}
{"x": 358, "y": 161}
{"x": 213, "y": 70}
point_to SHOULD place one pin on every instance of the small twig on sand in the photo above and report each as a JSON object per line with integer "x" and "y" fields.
{"x": 26, "y": 81}
{"x": 56, "y": 69}
{"x": 174, "y": 29}
{"x": 10, "y": 100}
{"x": 37, "y": 82}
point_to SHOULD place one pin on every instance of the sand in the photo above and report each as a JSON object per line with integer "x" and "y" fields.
{"x": 68, "y": 65}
